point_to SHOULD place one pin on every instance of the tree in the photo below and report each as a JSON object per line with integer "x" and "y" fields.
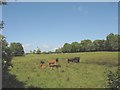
{"x": 114, "y": 79}
{"x": 86, "y": 45}
{"x": 99, "y": 45}
{"x": 112, "y": 42}
{"x": 34, "y": 51}
{"x": 6, "y": 53}
{"x": 118, "y": 42}
{"x": 49, "y": 52}
{"x": 59, "y": 50}
{"x": 66, "y": 48}
{"x": 44, "y": 52}
{"x": 17, "y": 49}
{"x": 3, "y": 2}
{"x": 75, "y": 47}
{"x": 1, "y": 24}
{"x": 31, "y": 51}
{"x": 38, "y": 51}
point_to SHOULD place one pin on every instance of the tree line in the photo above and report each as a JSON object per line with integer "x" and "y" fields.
{"x": 110, "y": 44}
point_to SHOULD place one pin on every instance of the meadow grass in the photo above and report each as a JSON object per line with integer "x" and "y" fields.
{"x": 89, "y": 73}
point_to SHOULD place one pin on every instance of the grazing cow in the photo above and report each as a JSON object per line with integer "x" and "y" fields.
{"x": 75, "y": 59}
{"x": 42, "y": 62}
{"x": 42, "y": 65}
{"x": 55, "y": 65}
{"x": 53, "y": 62}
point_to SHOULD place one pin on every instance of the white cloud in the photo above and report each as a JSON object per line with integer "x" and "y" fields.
{"x": 23, "y": 46}
{"x": 80, "y": 8}
{"x": 50, "y": 47}
{"x": 59, "y": 46}
{"x": 27, "y": 47}
{"x": 45, "y": 46}
{"x": 55, "y": 49}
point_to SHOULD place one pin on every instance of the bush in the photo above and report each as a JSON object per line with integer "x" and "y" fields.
{"x": 114, "y": 80}
{"x": 6, "y": 53}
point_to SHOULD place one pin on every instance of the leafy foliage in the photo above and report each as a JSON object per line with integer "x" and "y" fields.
{"x": 86, "y": 45}
{"x": 59, "y": 50}
{"x": 17, "y": 49}
{"x": 34, "y": 51}
{"x": 114, "y": 80}
{"x": 99, "y": 45}
{"x": 1, "y": 24}
{"x": 66, "y": 48}
{"x": 112, "y": 43}
{"x": 6, "y": 53}
{"x": 75, "y": 47}
{"x": 3, "y": 2}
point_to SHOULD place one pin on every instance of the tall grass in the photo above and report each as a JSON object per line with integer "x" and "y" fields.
{"x": 89, "y": 73}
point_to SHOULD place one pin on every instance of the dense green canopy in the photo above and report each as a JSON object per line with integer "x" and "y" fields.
{"x": 112, "y": 43}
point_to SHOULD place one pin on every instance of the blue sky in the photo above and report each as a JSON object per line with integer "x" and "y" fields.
{"x": 50, "y": 25}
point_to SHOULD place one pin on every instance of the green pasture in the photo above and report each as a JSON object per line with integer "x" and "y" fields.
{"x": 91, "y": 72}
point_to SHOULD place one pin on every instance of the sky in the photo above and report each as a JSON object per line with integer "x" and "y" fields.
{"x": 49, "y": 25}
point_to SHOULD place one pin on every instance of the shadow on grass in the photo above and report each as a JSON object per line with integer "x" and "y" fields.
{"x": 10, "y": 81}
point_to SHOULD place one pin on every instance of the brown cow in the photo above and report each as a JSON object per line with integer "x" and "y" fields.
{"x": 42, "y": 66}
{"x": 53, "y": 63}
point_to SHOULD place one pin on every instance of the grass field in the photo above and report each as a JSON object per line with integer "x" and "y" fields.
{"x": 89, "y": 73}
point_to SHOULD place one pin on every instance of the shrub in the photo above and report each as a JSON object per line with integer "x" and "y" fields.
{"x": 114, "y": 80}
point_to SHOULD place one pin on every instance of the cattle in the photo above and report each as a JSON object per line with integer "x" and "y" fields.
{"x": 75, "y": 59}
{"x": 53, "y": 62}
{"x": 42, "y": 65}
{"x": 55, "y": 65}
{"x": 42, "y": 62}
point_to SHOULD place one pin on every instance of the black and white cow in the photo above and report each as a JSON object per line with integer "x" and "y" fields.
{"x": 75, "y": 59}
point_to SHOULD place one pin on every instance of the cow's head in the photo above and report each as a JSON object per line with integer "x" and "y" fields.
{"x": 56, "y": 59}
{"x": 42, "y": 62}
